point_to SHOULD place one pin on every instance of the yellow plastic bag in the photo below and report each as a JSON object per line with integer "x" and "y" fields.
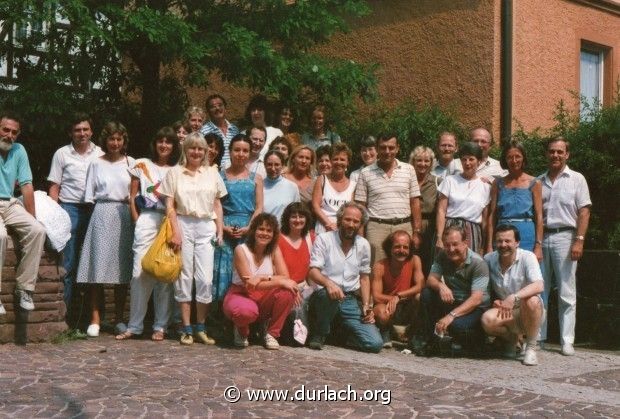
{"x": 161, "y": 261}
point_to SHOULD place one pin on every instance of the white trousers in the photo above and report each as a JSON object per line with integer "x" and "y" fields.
{"x": 559, "y": 269}
{"x": 143, "y": 285}
{"x": 197, "y": 253}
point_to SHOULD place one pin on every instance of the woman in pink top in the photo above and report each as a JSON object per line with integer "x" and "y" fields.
{"x": 261, "y": 288}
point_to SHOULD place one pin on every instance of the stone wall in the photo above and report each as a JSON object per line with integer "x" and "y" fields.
{"x": 47, "y": 319}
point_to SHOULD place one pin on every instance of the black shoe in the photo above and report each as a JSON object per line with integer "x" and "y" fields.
{"x": 316, "y": 342}
{"x": 417, "y": 344}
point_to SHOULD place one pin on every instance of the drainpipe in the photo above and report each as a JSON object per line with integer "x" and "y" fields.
{"x": 505, "y": 122}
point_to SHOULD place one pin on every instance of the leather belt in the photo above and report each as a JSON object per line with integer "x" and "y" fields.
{"x": 390, "y": 221}
{"x": 557, "y": 230}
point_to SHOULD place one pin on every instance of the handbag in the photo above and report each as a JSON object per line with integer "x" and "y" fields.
{"x": 160, "y": 260}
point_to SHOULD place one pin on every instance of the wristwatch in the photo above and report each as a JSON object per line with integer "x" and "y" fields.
{"x": 580, "y": 238}
{"x": 453, "y": 314}
{"x": 517, "y": 300}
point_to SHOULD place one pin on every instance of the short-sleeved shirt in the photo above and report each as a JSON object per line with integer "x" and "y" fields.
{"x": 278, "y": 193}
{"x": 69, "y": 169}
{"x": 525, "y": 270}
{"x": 387, "y": 197}
{"x": 491, "y": 169}
{"x": 14, "y": 168}
{"x": 108, "y": 181}
{"x": 467, "y": 198}
{"x": 472, "y": 276}
{"x": 563, "y": 198}
{"x": 344, "y": 270}
{"x": 453, "y": 168}
{"x": 151, "y": 176}
{"x": 231, "y": 131}
{"x": 313, "y": 142}
{"x": 194, "y": 195}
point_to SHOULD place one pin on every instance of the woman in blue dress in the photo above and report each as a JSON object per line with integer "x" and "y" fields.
{"x": 517, "y": 199}
{"x": 243, "y": 202}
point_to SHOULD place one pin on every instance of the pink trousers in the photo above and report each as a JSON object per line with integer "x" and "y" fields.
{"x": 245, "y": 308}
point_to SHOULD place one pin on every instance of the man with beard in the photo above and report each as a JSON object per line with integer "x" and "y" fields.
{"x": 15, "y": 168}
{"x": 397, "y": 282}
{"x": 454, "y": 306}
{"x": 340, "y": 265}
{"x": 446, "y": 149}
{"x": 517, "y": 283}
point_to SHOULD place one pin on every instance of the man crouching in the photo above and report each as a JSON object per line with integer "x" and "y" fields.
{"x": 517, "y": 283}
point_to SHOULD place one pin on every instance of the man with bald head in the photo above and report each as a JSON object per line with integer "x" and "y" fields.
{"x": 488, "y": 168}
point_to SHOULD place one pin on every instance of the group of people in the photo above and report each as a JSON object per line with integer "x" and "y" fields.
{"x": 272, "y": 229}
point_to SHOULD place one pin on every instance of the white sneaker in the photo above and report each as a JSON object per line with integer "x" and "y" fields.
{"x": 271, "y": 342}
{"x": 25, "y": 300}
{"x": 240, "y": 341}
{"x": 2, "y": 309}
{"x": 530, "y": 357}
{"x": 567, "y": 349}
{"x": 93, "y": 330}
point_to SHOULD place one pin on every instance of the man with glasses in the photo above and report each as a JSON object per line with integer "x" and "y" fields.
{"x": 488, "y": 168}
{"x": 15, "y": 168}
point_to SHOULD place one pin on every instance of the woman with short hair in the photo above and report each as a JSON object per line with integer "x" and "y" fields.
{"x": 278, "y": 191}
{"x": 300, "y": 166}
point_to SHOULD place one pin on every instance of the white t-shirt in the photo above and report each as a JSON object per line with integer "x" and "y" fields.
{"x": 106, "y": 181}
{"x": 524, "y": 271}
{"x": 151, "y": 176}
{"x": 69, "y": 171}
{"x": 466, "y": 198}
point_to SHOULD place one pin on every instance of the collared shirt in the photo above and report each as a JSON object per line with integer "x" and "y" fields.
{"x": 194, "y": 195}
{"x": 387, "y": 197}
{"x": 69, "y": 171}
{"x": 278, "y": 193}
{"x": 15, "y": 167}
{"x": 563, "y": 198}
{"x": 491, "y": 169}
{"x": 524, "y": 270}
{"x": 453, "y": 168}
{"x": 108, "y": 181}
{"x": 232, "y": 130}
{"x": 344, "y": 270}
{"x": 472, "y": 276}
{"x": 313, "y": 142}
{"x": 257, "y": 167}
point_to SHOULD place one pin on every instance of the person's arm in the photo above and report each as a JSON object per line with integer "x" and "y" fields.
{"x": 280, "y": 277}
{"x": 368, "y": 316}
{"x": 484, "y": 225}
{"x": 28, "y": 195}
{"x": 538, "y": 218}
{"x": 317, "y": 198}
{"x": 377, "y": 285}
{"x": 440, "y": 221}
{"x": 333, "y": 290}
{"x": 258, "y": 193}
{"x": 583, "y": 219}
{"x": 492, "y": 217}
{"x": 219, "y": 221}
{"x": 435, "y": 283}
{"x": 466, "y": 307}
{"x": 416, "y": 221}
{"x": 176, "y": 240}
{"x": 505, "y": 307}
{"x": 54, "y": 191}
{"x": 134, "y": 186}
{"x": 417, "y": 280}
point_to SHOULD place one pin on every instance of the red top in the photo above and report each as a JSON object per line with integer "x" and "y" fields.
{"x": 402, "y": 282}
{"x": 297, "y": 260}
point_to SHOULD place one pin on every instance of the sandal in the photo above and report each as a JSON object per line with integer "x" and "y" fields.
{"x": 125, "y": 335}
{"x": 158, "y": 336}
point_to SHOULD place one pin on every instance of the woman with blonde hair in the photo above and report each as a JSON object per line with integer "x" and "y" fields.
{"x": 193, "y": 190}
{"x": 300, "y": 166}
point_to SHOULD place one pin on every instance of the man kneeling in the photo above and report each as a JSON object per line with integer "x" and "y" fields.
{"x": 517, "y": 283}
{"x": 397, "y": 282}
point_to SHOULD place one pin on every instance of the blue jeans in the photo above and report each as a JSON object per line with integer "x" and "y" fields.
{"x": 465, "y": 327}
{"x": 363, "y": 336}
{"x": 80, "y": 217}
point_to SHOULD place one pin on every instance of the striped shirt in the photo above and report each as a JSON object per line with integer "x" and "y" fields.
{"x": 232, "y": 130}
{"x": 387, "y": 197}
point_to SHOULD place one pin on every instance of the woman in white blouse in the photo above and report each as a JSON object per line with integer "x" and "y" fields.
{"x": 464, "y": 200}
{"x": 193, "y": 190}
{"x": 106, "y": 255}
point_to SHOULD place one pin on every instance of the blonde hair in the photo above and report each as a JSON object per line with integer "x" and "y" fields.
{"x": 192, "y": 110}
{"x": 296, "y": 150}
{"x": 419, "y": 151}
{"x": 194, "y": 139}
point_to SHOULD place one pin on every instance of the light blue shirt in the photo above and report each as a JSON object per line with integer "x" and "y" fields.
{"x": 14, "y": 168}
{"x": 344, "y": 270}
{"x": 278, "y": 193}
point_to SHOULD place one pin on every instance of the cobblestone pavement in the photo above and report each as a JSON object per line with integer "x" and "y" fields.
{"x": 139, "y": 378}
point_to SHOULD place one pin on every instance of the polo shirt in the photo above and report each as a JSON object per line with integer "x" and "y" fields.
{"x": 344, "y": 270}
{"x": 563, "y": 198}
{"x": 194, "y": 195}
{"x": 524, "y": 270}
{"x": 491, "y": 169}
{"x": 14, "y": 168}
{"x": 387, "y": 197}
{"x": 69, "y": 169}
{"x": 472, "y": 276}
{"x": 453, "y": 168}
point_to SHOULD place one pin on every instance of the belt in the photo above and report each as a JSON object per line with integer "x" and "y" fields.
{"x": 557, "y": 230}
{"x": 5, "y": 199}
{"x": 391, "y": 221}
{"x": 514, "y": 220}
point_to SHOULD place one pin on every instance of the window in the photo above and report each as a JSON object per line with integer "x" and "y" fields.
{"x": 594, "y": 72}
